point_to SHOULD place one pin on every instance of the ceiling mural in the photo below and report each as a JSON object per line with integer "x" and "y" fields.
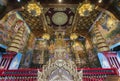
{"x": 56, "y": 17}
{"x": 35, "y": 23}
{"x": 84, "y": 23}
{"x": 60, "y": 17}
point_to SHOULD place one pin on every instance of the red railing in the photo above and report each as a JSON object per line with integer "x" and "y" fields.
{"x": 89, "y": 74}
{"x": 113, "y": 60}
{"x": 19, "y": 75}
{"x": 97, "y": 74}
{"x": 6, "y": 60}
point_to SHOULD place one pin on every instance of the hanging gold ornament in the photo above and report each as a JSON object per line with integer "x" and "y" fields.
{"x": 46, "y": 36}
{"x": 85, "y": 8}
{"x": 34, "y": 8}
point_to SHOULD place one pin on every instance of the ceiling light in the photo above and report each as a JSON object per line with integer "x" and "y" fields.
{"x": 100, "y": 1}
{"x": 18, "y": 0}
{"x": 59, "y": 1}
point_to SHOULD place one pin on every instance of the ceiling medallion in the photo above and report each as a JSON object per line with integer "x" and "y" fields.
{"x": 85, "y": 8}
{"x": 34, "y": 8}
{"x": 60, "y": 18}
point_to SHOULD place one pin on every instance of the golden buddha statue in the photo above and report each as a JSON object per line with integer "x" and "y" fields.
{"x": 60, "y": 40}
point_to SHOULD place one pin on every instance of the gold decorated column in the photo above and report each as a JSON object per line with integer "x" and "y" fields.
{"x": 31, "y": 41}
{"x": 42, "y": 57}
{"x": 77, "y": 58}
{"x": 17, "y": 40}
{"x": 75, "y": 46}
{"x": 101, "y": 42}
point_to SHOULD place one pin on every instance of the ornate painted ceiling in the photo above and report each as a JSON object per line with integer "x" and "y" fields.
{"x": 35, "y": 23}
{"x": 84, "y": 23}
{"x": 54, "y": 17}
{"x": 62, "y": 15}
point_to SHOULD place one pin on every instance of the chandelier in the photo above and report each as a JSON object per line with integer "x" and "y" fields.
{"x": 34, "y": 8}
{"x": 73, "y": 36}
{"x": 85, "y": 8}
{"x": 46, "y": 36}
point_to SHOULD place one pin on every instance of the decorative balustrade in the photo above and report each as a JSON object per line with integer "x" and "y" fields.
{"x": 89, "y": 74}
{"x": 6, "y": 60}
{"x": 19, "y": 75}
{"x": 97, "y": 74}
{"x": 113, "y": 60}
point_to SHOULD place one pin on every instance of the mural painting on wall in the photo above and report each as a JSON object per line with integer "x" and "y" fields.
{"x": 110, "y": 27}
{"x": 40, "y": 52}
{"x": 28, "y": 58}
{"x": 3, "y": 34}
{"x": 9, "y": 26}
{"x": 36, "y": 57}
{"x": 10, "y": 20}
{"x": 41, "y": 44}
{"x": 92, "y": 56}
{"x": 49, "y": 52}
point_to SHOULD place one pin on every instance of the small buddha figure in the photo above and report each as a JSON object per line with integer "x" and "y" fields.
{"x": 60, "y": 40}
